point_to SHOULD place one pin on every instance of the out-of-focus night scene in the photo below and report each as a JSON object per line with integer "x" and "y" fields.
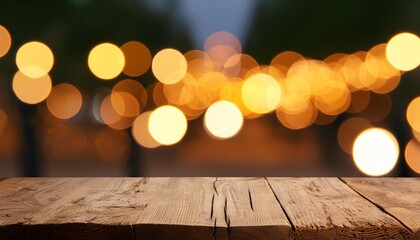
{"x": 209, "y": 88}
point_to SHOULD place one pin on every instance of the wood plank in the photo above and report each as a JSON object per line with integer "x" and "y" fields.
{"x": 399, "y": 197}
{"x": 207, "y": 208}
{"x": 181, "y": 210}
{"x": 21, "y": 197}
{"x": 326, "y": 208}
{"x": 103, "y": 208}
{"x": 251, "y": 210}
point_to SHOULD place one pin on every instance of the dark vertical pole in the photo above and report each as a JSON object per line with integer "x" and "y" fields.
{"x": 31, "y": 158}
{"x": 133, "y": 163}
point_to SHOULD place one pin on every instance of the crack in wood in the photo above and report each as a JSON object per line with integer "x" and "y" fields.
{"x": 214, "y": 228}
{"x": 212, "y": 207}
{"x": 281, "y": 206}
{"x": 214, "y": 186}
{"x": 250, "y": 200}
{"x": 227, "y": 220}
{"x": 378, "y": 206}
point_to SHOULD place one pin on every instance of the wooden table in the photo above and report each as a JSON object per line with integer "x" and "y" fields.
{"x": 209, "y": 208}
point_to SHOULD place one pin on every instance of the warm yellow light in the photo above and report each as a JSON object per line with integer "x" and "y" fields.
{"x": 375, "y": 152}
{"x": 412, "y": 155}
{"x": 140, "y": 131}
{"x": 223, "y": 119}
{"x": 137, "y": 58}
{"x": 108, "y": 113}
{"x": 403, "y": 51}
{"x": 167, "y": 125}
{"x": 64, "y": 101}
{"x": 169, "y": 66}
{"x": 413, "y": 114}
{"x": 261, "y": 93}
{"x": 134, "y": 88}
{"x": 298, "y": 115}
{"x": 106, "y": 61}
{"x": 5, "y": 41}
{"x": 34, "y": 59}
{"x": 31, "y": 90}
{"x": 125, "y": 104}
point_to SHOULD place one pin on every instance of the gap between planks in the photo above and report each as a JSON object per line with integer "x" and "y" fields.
{"x": 377, "y": 205}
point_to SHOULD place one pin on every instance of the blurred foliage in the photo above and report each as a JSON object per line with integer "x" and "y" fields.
{"x": 317, "y": 29}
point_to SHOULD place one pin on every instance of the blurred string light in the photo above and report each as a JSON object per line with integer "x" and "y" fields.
{"x": 141, "y": 133}
{"x": 106, "y": 61}
{"x": 228, "y": 86}
{"x": 169, "y": 66}
{"x": 413, "y": 114}
{"x": 34, "y": 59}
{"x": 403, "y": 51}
{"x": 412, "y": 155}
{"x": 167, "y": 125}
{"x": 223, "y": 119}
{"x": 261, "y": 93}
{"x": 31, "y": 90}
{"x": 375, "y": 151}
{"x": 64, "y": 101}
{"x": 221, "y": 46}
{"x": 137, "y": 58}
{"x": 5, "y": 41}
{"x": 412, "y": 150}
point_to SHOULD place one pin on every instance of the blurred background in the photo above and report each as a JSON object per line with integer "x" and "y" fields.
{"x": 209, "y": 88}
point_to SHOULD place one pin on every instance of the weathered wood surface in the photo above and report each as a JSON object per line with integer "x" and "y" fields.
{"x": 326, "y": 208}
{"x": 399, "y": 197}
{"x": 209, "y": 208}
{"x": 20, "y": 198}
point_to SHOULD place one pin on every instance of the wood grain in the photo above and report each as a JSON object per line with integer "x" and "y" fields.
{"x": 182, "y": 209}
{"x": 251, "y": 209}
{"x": 19, "y": 198}
{"x": 102, "y": 208}
{"x": 209, "y": 208}
{"x": 326, "y": 208}
{"x": 399, "y": 197}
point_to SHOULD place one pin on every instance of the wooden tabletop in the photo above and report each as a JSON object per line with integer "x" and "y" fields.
{"x": 209, "y": 208}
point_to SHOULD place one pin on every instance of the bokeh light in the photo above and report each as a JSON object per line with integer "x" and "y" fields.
{"x": 223, "y": 119}
{"x": 135, "y": 89}
{"x": 403, "y": 51}
{"x": 64, "y": 101}
{"x": 137, "y": 58}
{"x": 31, "y": 90}
{"x": 349, "y": 130}
{"x": 169, "y": 66}
{"x": 167, "y": 125}
{"x": 297, "y": 115}
{"x": 412, "y": 155}
{"x": 106, "y": 61}
{"x": 375, "y": 152}
{"x": 413, "y": 114}
{"x": 261, "y": 93}
{"x": 125, "y": 104}
{"x": 221, "y": 46}
{"x": 140, "y": 131}
{"x": 5, "y": 41}
{"x": 34, "y": 59}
